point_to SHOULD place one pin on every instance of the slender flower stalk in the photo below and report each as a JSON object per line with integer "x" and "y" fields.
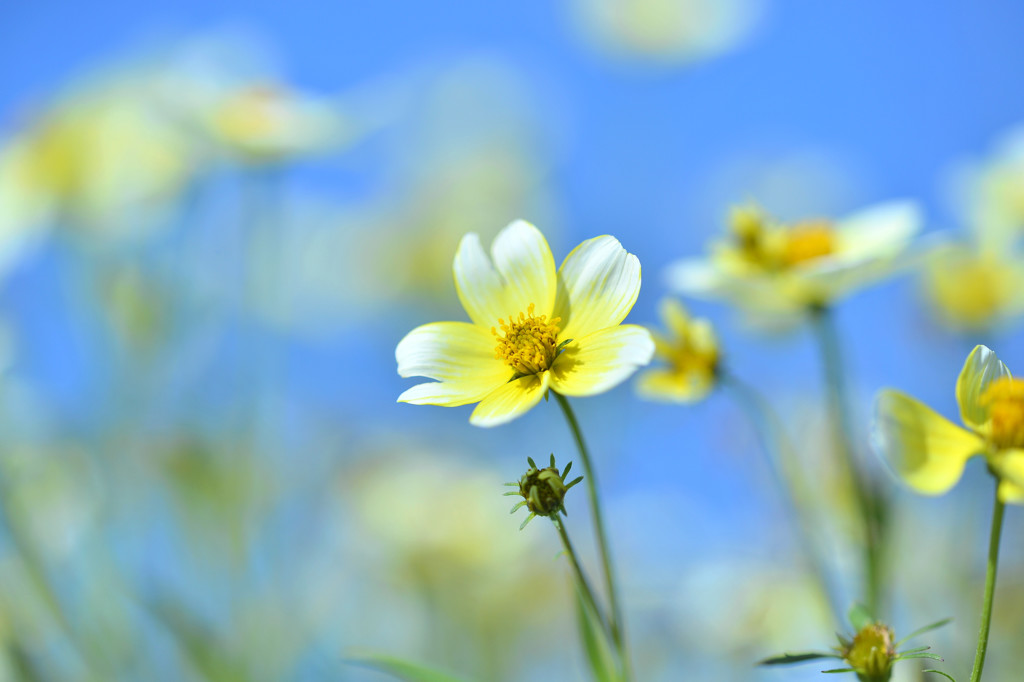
{"x": 616, "y": 623}
{"x": 581, "y": 579}
{"x": 780, "y": 455}
{"x": 990, "y": 585}
{"x": 871, "y": 503}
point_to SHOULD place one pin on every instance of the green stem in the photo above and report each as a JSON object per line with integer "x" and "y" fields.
{"x": 871, "y": 504}
{"x": 616, "y": 623}
{"x": 781, "y": 461}
{"x": 990, "y": 585}
{"x": 581, "y": 579}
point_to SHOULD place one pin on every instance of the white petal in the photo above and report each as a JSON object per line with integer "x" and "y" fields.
{"x": 523, "y": 257}
{"x": 602, "y": 360}
{"x": 878, "y": 231}
{"x": 458, "y": 354}
{"x": 598, "y": 283}
{"x": 980, "y": 369}
{"x": 478, "y": 284}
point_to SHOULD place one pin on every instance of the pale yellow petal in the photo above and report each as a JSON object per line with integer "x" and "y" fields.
{"x": 878, "y": 231}
{"x": 980, "y": 369}
{"x": 925, "y": 449}
{"x": 459, "y": 355}
{"x": 478, "y": 283}
{"x": 1009, "y": 466}
{"x": 697, "y": 277}
{"x": 673, "y": 314}
{"x": 598, "y": 283}
{"x": 510, "y": 400}
{"x": 602, "y": 360}
{"x": 523, "y": 258}
{"x": 665, "y": 385}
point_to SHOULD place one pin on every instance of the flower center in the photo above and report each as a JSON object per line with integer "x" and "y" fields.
{"x": 1004, "y": 398}
{"x": 871, "y": 653}
{"x": 807, "y": 241}
{"x": 528, "y": 344}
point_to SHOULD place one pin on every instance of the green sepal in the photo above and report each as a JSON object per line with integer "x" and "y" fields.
{"x": 939, "y": 672}
{"x": 403, "y": 670}
{"x": 934, "y": 657}
{"x": 860, "y": 617}
{"x": 840, "y": 670}
{"x": 926, "y": 628}
{"x": 787, "y": 659}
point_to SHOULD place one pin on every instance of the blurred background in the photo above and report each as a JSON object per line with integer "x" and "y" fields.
{"x": 218, "y": 219}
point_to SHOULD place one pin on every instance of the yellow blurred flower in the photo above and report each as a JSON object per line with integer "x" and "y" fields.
{"x": 973, "y": 288}
{"x": 768, "y": 266}
{"x": 104, "y": 157}
{"x": 265, "y": 122}
{"x": 690, "y": 355}
{"x": 929, "y": 452}
{"x": 671, "y": 31}
{"x": 532, "y": 328}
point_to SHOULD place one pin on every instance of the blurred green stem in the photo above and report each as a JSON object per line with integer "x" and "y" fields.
{"x": 581, "y": 579}
{"x": 871, "y": 503}
{"x": 990, "y": 585}
{"x": 616, "y": 624}
{"x": 791, "y": 484}
{"x": 28, "y": 556}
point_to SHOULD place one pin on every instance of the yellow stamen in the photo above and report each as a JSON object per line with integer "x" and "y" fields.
{"x": 528, "y": 344}
{"x": 807, "y": 241}
{"x": 1004, "y": 399}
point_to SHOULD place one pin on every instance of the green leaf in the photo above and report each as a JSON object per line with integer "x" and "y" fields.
{"x": 926, "y": 628}
{"x": 934, "y": 657}
{"x": 595, "y": 643}
{"x": 786, "y": 659}
{"x": 913, "y": 651}
{"x": 860, "y": 617}
{"x": 939, "y": 672}
{"x": 403, "y": 670}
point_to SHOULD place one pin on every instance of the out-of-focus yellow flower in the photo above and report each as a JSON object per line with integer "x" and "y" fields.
{"x": 673, "y": 31}
{"x": 268, "y": 122}
{"x": 690, "y": 352}
{"x": 768, "y": 266}
{"x": 995, "y": 190}
{"x": 973, "y": 288}
{"x": 930, "y": 453}
{"x": 104, "y": 157}
{"x": 532, "y": 328}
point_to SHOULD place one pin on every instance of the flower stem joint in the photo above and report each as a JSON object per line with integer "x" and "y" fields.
{"x": 543, "y": 490}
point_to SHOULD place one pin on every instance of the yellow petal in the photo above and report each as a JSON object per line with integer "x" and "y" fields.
{"x": 926, "y": 450}
{"x": 598, "y": 283}
{"x": 478, "y": 284}
{"x": 458, "y": 355}
{"x": 1009, "y": 466}
{"x": 523, "y": 258}
{"x": 510, "y": 400}
{"x": 602, "y": 360}
{"x": 675, "y": 317}
{"x": 667, "y": 386}
{"x": 980, "y": 369}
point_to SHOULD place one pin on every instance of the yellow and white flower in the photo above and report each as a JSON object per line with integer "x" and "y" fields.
{"x": 929, "y": 452}
{"x": 972, "y": 287}
{"x": 767, "y": 266}
{"x": 533, "y": 328}
{"x": 691, "y": 356}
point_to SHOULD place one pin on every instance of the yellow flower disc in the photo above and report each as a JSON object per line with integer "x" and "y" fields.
{"x": 528, "y": 344}
{"x": 1004, "y": 398}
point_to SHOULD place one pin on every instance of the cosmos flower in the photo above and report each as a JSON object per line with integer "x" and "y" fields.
{"x": 929, "y": 452}
{"x": 974, "y": 288}
{"x": 769, "y": 266}
{"x": 533, "y": 328}
{"x": 691, "y": 356}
